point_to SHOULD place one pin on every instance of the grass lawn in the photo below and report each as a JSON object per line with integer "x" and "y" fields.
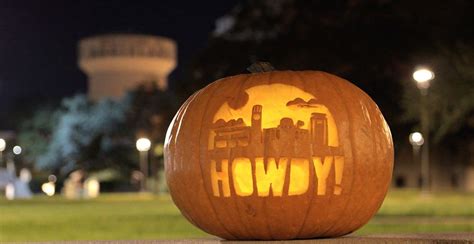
{"x": 138, "y": 216}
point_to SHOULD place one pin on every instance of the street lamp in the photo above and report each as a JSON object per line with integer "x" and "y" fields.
{"x": 416, "y": 140}
{"x": 143, "y": 146}
{"x": 11, "y": 167}
{"x": 423, "y": 77}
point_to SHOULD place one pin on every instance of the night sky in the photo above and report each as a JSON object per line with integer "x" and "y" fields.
{"x": 38, "y": 41}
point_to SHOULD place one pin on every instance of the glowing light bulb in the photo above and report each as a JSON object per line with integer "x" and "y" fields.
{"x": 143, "y": 144}
{"x": 416, "y": 139}
{"x": 423, "y": 77}
{"x": 48, "y": 188}
{"x": 17, "y": 150}
{"x": 3, "y": 144}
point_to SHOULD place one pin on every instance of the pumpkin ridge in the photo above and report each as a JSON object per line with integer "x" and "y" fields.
{"x": 312, "y": 195}
{"x": 358, "y": 210}
{"x": 200, "y": 165}
{"x": 177, "y": 120}
{"x": 378, "y": 205}
{"x": 182, "y": 111}
{"x": 182, "y": 115}
{"x": 242, "y": 85}
{"x": 202, "y": 174}
{"x": 376, "y": 157}
{"x": 265, "y": 200}
{"x": 352, "y": 140}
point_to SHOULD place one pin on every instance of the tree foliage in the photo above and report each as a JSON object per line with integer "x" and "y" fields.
{"x": 83, "y": 136}
{"x": 35, "y": 132}
{"x": 97, "y": 135}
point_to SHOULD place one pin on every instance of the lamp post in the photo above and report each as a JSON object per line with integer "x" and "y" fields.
{"x": 423, "y": 77}
{"x": 143, "y": 146}
{"x": 3, "y": 145}
{"x": 11, "y": 164}
{"x": 416, "y": 140}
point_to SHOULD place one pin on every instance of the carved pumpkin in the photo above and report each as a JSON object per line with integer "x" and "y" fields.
{"x": 279, "y": 155}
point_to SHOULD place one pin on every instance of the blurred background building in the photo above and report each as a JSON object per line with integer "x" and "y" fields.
{"x": 117, "y": 63}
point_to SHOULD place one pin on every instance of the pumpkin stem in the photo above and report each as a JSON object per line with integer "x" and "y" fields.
{"x": 260, "y": 67}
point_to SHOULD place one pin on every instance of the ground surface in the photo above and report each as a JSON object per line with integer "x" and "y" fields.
{"x": 134, "y": 216}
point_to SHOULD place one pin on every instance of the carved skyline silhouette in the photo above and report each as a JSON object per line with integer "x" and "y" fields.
{"x": 287, "y": 139}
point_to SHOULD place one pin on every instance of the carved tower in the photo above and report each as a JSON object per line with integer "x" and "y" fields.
{"x": 256, "y": 126}
{"x": 318, "y": 131}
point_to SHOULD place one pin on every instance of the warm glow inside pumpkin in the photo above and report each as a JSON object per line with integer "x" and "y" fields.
{"x": 264, "y": 112}
{"x": 279, "y": 155}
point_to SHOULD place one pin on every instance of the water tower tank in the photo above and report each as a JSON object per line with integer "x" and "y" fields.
{"x": 116, "y": 63}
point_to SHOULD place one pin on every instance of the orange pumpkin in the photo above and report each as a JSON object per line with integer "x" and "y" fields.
{"x": 279, "y": 155}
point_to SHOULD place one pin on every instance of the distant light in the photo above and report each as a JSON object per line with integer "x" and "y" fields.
{"x": 17, "y": 150}
{"x": 423, "y": 77}
{"x": 93, "y": 187}
{"x": 48, "y": 188}
{"x": 137, "y": 175}
{"x": 143, "y": 144}
{"x": 159, "y": 149}
{"x": 25, "y": 175}
{"x": 10, "y": 191}
{"x": 3, "y": 144}
{"x": 416, "y": 139}
{"x": 52, "y": 178}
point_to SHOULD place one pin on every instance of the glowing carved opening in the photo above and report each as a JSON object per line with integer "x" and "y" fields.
{"x": 273, "y": 177}
{"x": 299, "y": 177}
{"x": 260, "y": 125}
{"x": 338, "y": 167}
{"x": 284, "y": 101}
{"x": 220, "y": 176}
{"x": 322, "y": 172}
{"x": 242, "y": 175}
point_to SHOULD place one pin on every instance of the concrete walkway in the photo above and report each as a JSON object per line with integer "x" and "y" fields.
{"x": 385, "y": 238}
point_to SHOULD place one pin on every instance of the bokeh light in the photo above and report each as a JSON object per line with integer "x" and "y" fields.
{"x": 17, "y": 150}
{"x": 3, "y": 144}
{"x": 49, "y": 188}
{"x": 423, "y": 77}
{"x": 416, "y": 139}
{"x": 143, "y": 144}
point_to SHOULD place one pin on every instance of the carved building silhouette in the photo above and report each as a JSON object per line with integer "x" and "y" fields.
{"x": 287, "y": 139}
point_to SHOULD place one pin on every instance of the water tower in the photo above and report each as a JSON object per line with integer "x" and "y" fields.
{"x": 116, "y": 63}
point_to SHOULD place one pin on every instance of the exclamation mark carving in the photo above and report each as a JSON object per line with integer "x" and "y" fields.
{"x": 339, "y": 169}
